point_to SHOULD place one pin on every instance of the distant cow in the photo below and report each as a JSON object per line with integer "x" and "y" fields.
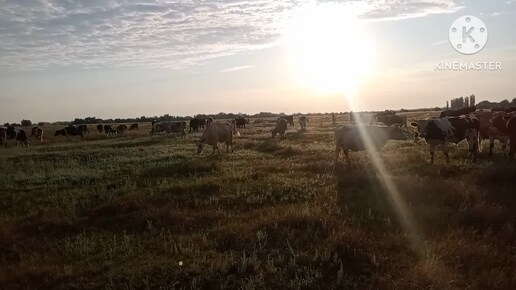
{"x": 37, "y": 133}
{"x": 3, "y": 136}
{"x": 133, "y": 126}
{"x": 390, "y": 120}
{"x": 281, "y": 127}
{"x": 202, "y": 123}
{"x": 194, "y": 125}
{"x": 209, "y": 121}
{"x": 356, "y": 138}
{"x": 100, "y": 128}
{"x": 108, "y": 129}
{"x": 120, "y": 129}
{"x": 440, "y": 132}
{"x": 240, "y": 122}
{"x": 488, "y": 131}
{"x": 17, "y": 134}
{"x": 70, "y": 131}
{"x": 214, "y": 134}
{"x": 506, "y": 123}
{"x": 302, "y": 122}
{"x": 289, "y": 119}
{"x": 83, "y": 128}
{"x": 456, "y": 113}
{"x": 169, "y": 127}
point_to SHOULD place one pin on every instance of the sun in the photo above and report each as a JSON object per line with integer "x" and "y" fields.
{"x": 329, "y": 48}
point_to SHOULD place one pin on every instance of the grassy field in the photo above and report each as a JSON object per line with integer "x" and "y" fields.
{"x": 145, "y": 212}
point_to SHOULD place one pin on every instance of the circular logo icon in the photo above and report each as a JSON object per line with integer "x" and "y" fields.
{"x": 468, "y": 34}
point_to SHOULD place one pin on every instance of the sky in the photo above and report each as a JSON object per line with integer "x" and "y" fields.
{"x": 66, "y": 59}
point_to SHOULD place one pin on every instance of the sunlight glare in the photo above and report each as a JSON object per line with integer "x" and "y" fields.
{"x": 329, "y": 48}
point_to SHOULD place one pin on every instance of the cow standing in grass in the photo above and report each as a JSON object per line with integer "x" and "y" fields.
{"x": 439, "y": 132}
{"x": 133, "y": 126}
{"x": 302, "y": 122}
{"x": 355, "y": 138}
{"x": 100, "y": 128}
{"x": 281, "y": 127}
{"x": 488, "y": 131}
{"x": 214, "y": 134}
{"x": 169, "y": 127}
{"x": 37, "y": 133}
{"x": 506, "y": 123}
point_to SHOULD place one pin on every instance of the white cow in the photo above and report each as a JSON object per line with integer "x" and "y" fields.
{"x": 216, "y": 133}
{"x": 354, "y": 138}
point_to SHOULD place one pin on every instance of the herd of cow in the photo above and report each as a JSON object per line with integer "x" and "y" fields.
{"x": 452, "y": 126}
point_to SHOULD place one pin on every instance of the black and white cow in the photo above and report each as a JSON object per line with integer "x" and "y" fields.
{"x": 439, "y": 132}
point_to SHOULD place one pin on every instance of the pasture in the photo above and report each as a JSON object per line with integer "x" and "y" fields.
{"x": 145, "y": 212}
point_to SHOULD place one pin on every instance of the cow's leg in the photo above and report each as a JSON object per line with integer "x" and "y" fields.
{"x": 432, "y": 151}
{"x": 446, "y": 152}
{"x": 491, "y": 145}
{"x": 346, "y": 153}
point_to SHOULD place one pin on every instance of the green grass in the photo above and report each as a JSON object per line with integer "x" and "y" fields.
{"x": 122, "y": 213}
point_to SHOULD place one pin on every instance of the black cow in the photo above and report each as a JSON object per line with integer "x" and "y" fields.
{"x": 289, "y": 119}
{"x": 440, "y": 132}
{"x": 240, "y": 122}
{"x": 133, "y": 126}
{"x": 109, "y": 130}
{"x": 22, "y": 138}
{"x": 70, "y": 131}
{"x": 100, "y": 128}
{"x": 456, "y": 113}
{"x": 194, "y": 125}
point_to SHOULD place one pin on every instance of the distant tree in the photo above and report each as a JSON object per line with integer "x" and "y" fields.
{"x": 447, "y": 105}
{"x": 472, "y": 100}
{"x": 504, "y": 103}
{"x": 26, "y": 123}
{"x": 7, "y": 124}
{"x": 466, "y": 102}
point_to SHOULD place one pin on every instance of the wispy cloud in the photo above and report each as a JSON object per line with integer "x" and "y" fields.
{"x": 41, "y": 34}
{"x": 236, "y": 68}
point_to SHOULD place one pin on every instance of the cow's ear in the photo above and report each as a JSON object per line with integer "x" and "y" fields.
{"x": 413, "y": 124}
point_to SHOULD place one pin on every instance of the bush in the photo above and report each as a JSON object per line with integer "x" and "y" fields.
{"x": 26, "y": 123}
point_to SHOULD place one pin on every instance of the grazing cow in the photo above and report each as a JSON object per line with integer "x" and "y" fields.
{"x": 506, "y": 123}
{"x": 240, "y": 122}
{"x": 209, "y": 121}
{"x": 3, "y": 136}
{"x": 288, "y": 118}
{"x": 216, "y": 133}
{"x": 38, "y": 133}
{"x": 440, "y": 132}
{"x": 120, "y": 129}
{"x": 133, "y": 127}
{"x": 390, "y": 120}
{"x": 108, "y": 129}
{"x": 194, "y": 125}
{"x": 302, "y": 122}
{"x": 100, "y": 128}
{"x": 333, "y": 118}
{"x": 488, "y": 131}
{"x": 70, "y": 130}
{"x": 83, "y": 128}
{"x": 456, "y": 113}
{"x": 281, "y": 127}
{"x": 17, "y": 134}
{"x": 355, "y": 138}
{"x": 170, "y": 127}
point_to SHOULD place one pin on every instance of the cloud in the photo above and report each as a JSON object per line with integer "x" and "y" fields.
{"x": 43, "y": 34}
{"x": 236, "y": 68}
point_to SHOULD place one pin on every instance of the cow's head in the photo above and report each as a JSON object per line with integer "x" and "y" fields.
{"x": 420, "y": 126}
